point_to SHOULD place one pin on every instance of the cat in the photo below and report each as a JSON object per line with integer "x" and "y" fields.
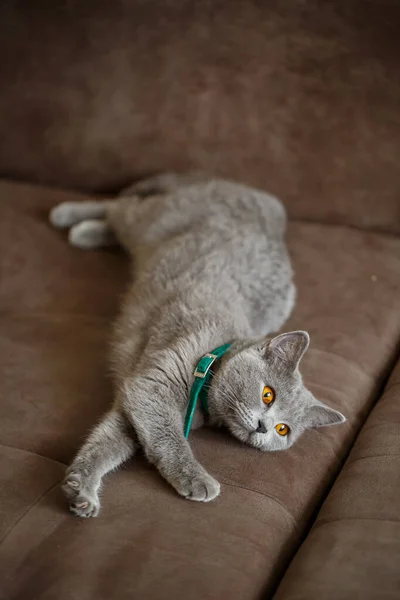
{"x": 210, "y": 268}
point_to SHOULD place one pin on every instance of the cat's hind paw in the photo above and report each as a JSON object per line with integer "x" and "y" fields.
{"x": 91, "y": 234}
{"x": 65, "y": 215}
{"x": 83, "y": 502}
{"x": 68, "y": 214}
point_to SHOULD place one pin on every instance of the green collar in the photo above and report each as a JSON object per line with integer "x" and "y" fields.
{"x": 202, "y": 377}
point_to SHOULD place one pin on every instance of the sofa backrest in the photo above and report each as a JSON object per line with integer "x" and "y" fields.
{"x": 301, "y": 99}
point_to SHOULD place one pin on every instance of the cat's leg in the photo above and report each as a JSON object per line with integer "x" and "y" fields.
{"x": 164, "y": 183}
{"x": 159, "y": 427}
{"x": 123, "y": 218}
{"x": 173, "y": 457}
{"x": 136, "y": 222}
{"x": 67, "y": 214}
{"x": 109, "y": 445}
{"x": 148, "y": 222}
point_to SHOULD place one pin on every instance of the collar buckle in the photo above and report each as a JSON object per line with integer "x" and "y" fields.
{"x": 204, "y": 365}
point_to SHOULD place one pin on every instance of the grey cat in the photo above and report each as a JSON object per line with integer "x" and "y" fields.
{"x": 211, "y": 267}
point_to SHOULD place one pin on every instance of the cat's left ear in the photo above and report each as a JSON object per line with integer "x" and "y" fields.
{"x": 320, "y": 415}
{"x": 288, "y": 348}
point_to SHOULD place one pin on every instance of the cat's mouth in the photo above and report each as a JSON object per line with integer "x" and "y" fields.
{"x": 245, "y": 433}
{"x": 238, "y": 430}
{"x": 257, "y": 439}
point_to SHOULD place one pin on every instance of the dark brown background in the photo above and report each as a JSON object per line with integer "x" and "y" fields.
{"x": 298, "y": 97}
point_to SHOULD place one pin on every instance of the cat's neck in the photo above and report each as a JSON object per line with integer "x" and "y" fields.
{"x": 208, "y": 336}
{"x": 202, "y": 338}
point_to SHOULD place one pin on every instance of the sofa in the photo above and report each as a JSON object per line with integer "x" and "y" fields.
{"x": 299, "y": 98}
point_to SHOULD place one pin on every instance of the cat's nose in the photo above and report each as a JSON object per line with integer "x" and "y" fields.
{"x": 261, "y": 428}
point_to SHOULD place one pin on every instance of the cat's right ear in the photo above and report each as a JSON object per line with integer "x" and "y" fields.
{"x": 287, "y": 349}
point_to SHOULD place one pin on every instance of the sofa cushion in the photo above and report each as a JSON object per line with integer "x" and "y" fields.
{"x": 56, "y": 306}
{"x": 300, "y": 98}
{"x": 357, "y": 532}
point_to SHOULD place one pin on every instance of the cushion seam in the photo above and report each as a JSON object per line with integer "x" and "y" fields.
{"x": 269, "y": 496}
{"x": 350, "y": 462}
{"x": 32, "y": 453}
{"x": 322, "y": 522}
{"x": 50, "y": 489}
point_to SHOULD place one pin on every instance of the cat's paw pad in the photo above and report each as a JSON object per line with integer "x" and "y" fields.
{"x": 63, "y": 215}
{"x": 72, "y": 485}
{"x": 83, "y": 502}
{"x": 200, "y": 488}
{"x": 85, "y": 506}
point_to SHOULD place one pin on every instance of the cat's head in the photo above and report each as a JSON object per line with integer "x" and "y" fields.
{"x": 259, "y": 395}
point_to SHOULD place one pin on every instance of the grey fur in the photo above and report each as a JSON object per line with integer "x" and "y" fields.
{"x": 211, "y": 267}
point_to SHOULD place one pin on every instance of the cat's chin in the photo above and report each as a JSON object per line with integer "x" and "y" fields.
{"x": 238, "y": 431}
{"x": 255, "y": 440}
{"x": 251, "y": 438}
{"x": 243, "y": 435}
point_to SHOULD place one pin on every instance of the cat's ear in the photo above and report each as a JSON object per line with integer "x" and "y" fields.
{"x": 320, "y": 415}
{"x": 288, "y": 348}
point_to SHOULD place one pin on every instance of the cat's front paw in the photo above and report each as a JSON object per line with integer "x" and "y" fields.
{"x": 83, "y": 500}
{"x": 63, "y": 215}
{"x": 200, "y": 487}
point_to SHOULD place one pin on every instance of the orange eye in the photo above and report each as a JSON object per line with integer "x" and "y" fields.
{"x": 282, "y": 429}
{"x": 268, "y": 395}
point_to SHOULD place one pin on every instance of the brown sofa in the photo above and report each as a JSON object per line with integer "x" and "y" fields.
{"x": 299, "y": 98}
